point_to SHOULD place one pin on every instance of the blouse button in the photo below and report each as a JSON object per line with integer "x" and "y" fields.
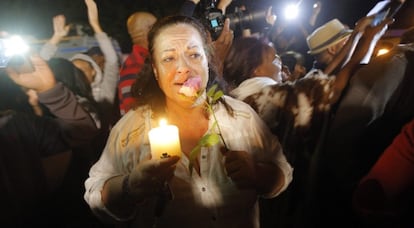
{"x": 203, "y": 189}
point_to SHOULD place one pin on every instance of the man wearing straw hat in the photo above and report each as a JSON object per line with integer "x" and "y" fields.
{"x": 326, "y": 42}
{"x": 333, "y": 43}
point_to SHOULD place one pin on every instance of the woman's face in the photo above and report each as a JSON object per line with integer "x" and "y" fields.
{"x": 86, "y": 68}
{"x": 271, "y": 65}
{"x": 179, "y": 55}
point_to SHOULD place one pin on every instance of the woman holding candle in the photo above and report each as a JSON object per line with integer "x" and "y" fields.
{"x": 223, "y": 189}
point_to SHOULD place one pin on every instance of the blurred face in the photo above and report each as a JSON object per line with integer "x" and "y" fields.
{"x": 299, "y": 71}
{"x": 271, "y": 65}
{"x": 86, "y": 68}
{"x": 178, "y": 56}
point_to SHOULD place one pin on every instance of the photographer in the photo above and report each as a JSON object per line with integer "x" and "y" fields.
{"x": 189, "y": 6}
{"x": 224, "y": 39}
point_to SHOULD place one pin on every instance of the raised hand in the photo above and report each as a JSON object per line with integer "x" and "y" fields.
{"x": 223, "y": 43}
{"x": 270, "y": 17}
{"x": 60, "y": 29}
{"x": 40, "y": 80}
{"x": 93, "y": 15}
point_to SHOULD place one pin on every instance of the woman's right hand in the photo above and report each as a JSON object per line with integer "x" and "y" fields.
{"x": 148, "y": 177}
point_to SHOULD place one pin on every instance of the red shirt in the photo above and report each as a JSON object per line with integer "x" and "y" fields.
{"x": 127, "y": 76}
{"x": 389, "y": 184}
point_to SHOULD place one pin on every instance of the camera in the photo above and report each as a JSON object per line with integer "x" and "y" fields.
{"x": 239, "y": 19}
{"x": 13, "y": 54}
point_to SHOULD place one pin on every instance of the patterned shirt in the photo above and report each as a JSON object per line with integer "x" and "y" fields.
{"x": 293, "y": 110}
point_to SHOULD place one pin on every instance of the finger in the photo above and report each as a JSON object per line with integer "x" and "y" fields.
{"x": 224, "y": 31}
{"x": 223, "y": 150}
{"x": 231, "y": 155}
{"x": 229, "y": 38}
{"x": 169, "y": 161}
{"x": 232, "y": 167}
{"x": 165, "y": 167}
{"x": 226, "y": 26}
{"x": 388, "y": 21}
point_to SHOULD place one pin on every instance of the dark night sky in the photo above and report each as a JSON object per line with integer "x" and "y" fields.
{"x": 35, "y": 16}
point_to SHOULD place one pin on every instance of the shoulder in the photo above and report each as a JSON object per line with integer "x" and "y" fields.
{"x": 240, "y": 109}
{"x": 236, "y": 105}
{"x": 131, "y": 124}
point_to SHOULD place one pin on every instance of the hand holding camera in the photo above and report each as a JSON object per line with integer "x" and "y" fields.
{"x": 14, "y": 54}
{"x": 40, "y": 79}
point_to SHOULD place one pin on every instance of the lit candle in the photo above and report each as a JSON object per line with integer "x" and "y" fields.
{"x": 164, "y": 141}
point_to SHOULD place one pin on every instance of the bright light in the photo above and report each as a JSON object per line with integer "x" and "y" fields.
{"x": 163, "y": 122}
{"x": 382, "y": 51}
{"x": 15, "y": 45}
{"x": 291, "y": 11}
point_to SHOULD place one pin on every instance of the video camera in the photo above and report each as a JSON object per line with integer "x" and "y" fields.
{"x": 239, "y": 19}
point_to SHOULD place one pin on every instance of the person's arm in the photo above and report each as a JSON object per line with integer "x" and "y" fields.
{"x": 350, "y": 44}
{"x": 315, "y": 12}
{"x": 222, "y": 45}
{"x": 59, "y": 100}
{"x": 111, "y": 66}
{"x": 93, "y": 16}
{"x": 60, "y": 30}
{"x": 188, "y": 7}
{"x": 262, "y": 166}
{"x": 266, "y": 178}
{"x": 270, "y": 20}
{"x": 222, "y": 5}
{"x": 34, "y": 102}
{"x": 353, "y": 64}
{"x": 121, "y": 194}
{"x": 70, "y": 114}
{"x": 380, "y": 193}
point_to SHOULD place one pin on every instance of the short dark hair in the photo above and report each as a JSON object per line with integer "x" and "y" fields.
{"x": 244, "y": 56}
{"x": 291, "y": 58}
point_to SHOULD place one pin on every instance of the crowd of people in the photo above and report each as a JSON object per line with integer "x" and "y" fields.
{"x": 264, "y": 140}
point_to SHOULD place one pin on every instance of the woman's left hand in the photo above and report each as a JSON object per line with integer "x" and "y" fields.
{"x": 240, "y": 168}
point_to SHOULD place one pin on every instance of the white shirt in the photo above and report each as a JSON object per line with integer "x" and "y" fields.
{"x": 209, "y": 200}
{"x": 251, "y": 86}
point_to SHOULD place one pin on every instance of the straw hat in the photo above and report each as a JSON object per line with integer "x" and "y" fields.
{"x": 326, "y": 36}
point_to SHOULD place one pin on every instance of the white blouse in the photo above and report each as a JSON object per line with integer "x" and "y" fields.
{"x": 210, "y": 199}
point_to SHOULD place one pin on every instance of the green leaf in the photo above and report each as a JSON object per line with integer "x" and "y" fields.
{"x": 210, "y": 140}
{"x": 206, "y": 141}
{"x": 217, "y": 95}
{"x": 212, "y": 90}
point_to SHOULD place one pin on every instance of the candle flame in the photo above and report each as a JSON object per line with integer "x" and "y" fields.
{"x": 163, "y": 122}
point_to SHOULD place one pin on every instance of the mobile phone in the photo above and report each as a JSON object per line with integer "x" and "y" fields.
{"x": 385, "y": 9}
{"x": 14, "y": 54}
{"x": 379, "y": 17}
{"x": 21, "y": 64}
{"x": 395, "y": 6}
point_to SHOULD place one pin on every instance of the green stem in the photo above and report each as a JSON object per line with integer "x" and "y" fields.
{"x": 218, "y": 125}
